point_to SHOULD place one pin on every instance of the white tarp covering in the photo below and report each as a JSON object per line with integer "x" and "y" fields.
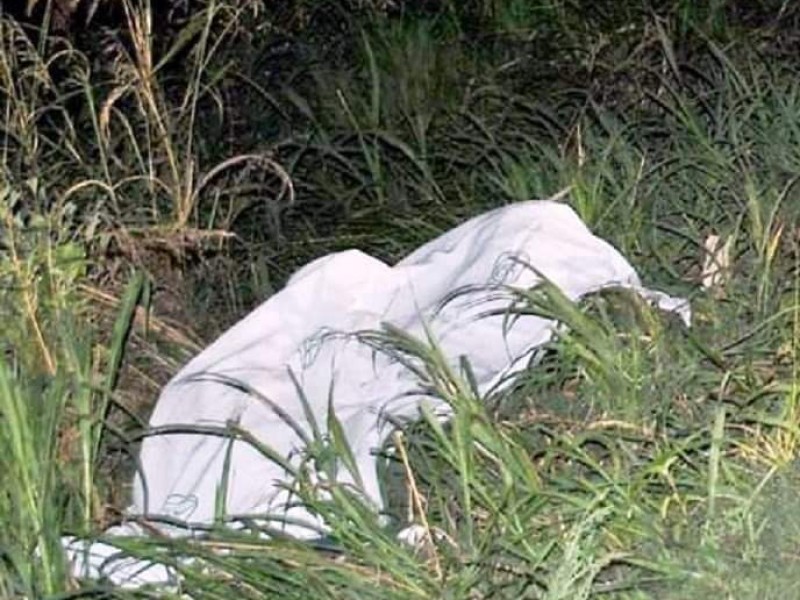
{"x": 243, "y": 378}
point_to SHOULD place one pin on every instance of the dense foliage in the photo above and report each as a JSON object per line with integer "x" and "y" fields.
{"x": 165, "y": 167}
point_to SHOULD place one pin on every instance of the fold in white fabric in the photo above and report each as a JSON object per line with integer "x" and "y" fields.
{"x": 245, "y": 377}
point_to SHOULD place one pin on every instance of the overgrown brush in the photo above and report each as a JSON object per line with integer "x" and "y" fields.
{"x": 636, "y": 459}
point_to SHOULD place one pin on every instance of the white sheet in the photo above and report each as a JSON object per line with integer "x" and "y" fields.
{"x": 181, "y": 473}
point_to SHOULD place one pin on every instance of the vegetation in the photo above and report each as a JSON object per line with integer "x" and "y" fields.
{"x": 162, "y": 174}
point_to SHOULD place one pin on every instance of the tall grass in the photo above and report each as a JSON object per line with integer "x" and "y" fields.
{"x": 52, "y": 403}
{"x": 636, "y": 459}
